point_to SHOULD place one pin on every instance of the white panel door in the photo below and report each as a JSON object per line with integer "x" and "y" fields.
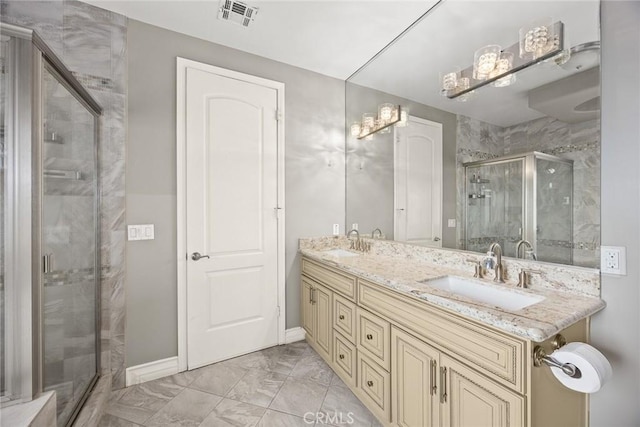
{"x": 231, "y": 199}
{"x": 418, "y": 183}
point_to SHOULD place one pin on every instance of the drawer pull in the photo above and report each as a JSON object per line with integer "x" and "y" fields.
{"x": 341, "y": 356}
{"x": 434, "y": 370}
{"x": 443, "y": 385}
{"x": 370, "y": 383}
{"x": 341, "y": 317}
{"x": 369, "y": 337}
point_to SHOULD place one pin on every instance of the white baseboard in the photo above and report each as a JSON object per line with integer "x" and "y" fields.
{"x": 294, "y": 334}
{"x": 151, "y": 371}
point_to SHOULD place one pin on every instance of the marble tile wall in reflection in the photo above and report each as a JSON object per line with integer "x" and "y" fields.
{"x": 579, "y": 142}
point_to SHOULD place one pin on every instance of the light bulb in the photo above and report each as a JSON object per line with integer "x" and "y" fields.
{"x": 485, "y": 60}
{"x": 385, "y": 112}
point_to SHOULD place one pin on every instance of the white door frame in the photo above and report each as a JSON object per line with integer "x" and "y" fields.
{"x": 181, "y": 150}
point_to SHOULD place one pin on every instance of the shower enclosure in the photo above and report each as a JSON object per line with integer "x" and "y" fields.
{"x": 521, "y": 197}
{"x": 49, "y": 258}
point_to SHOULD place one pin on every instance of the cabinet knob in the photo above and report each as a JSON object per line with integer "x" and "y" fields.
{"x": 369, "y": 336}
{"x": 370, "y": 383}
{"x": 341, "y": 356}
{"x": 341, "y": 317}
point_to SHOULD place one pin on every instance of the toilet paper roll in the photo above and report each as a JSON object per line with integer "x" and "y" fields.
{"x": 595, "y": 369}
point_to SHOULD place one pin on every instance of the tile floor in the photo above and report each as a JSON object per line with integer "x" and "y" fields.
{"x": 281, "y": 386}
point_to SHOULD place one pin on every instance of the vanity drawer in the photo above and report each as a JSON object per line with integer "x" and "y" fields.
{"x": 479, "y": 346}
{"x": 331, "y": 278}
{"x": 344, "y": 317}
{"x": 374, "y": 384}
{"x": 374, "y": 337}
{"x": 344, "y": 357}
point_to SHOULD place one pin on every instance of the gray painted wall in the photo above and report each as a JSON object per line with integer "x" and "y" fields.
{"x": 370, "y": 191}
{"x": 314, "y": 191}
{"x": 616, "y": 330}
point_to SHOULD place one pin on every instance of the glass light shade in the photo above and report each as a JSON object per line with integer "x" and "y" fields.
{"x": 404, "y": 118}
{"x": 537, "y": 39}
{"x": 449, "y": 80}
{"x": 368, "y": 121}
{"x": 463, "y": 84}
{"x": 355, "y": 129}
{"x": 368, "y": 138}
{"x": 485, "y": 60}
{"x": 505, "y": 63}
{"x": 385, "y": 112}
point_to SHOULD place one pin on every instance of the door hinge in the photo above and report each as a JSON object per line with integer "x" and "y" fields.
{"x": 277, "y": 211}
{"x": 279, "y": 311}
{"x": 278, "y": 115}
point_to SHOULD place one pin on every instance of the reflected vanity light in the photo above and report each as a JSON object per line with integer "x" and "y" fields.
{"x": 388, "y": 115}
{"x": 540, "y": 41}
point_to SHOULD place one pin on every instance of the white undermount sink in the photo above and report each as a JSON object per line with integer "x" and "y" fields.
{"x": 502, "y": 298}
{"x": 340, "y": 253}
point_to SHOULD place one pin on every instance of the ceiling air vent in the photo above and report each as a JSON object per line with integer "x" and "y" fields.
{"x": 237, "y": 12}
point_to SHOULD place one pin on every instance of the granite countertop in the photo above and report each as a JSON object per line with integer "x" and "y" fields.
{"x": 536, "y": 322}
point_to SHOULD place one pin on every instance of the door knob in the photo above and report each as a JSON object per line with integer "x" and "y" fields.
{"x": 196, "y": 256}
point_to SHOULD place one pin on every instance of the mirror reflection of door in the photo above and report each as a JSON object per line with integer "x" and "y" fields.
{"x": 418, "y": 183}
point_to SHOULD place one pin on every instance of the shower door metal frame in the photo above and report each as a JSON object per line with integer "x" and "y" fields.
{"x": 529, "y": 187}
{"x": 532, "y": 165}
{"x": 491, "y": 162}
{"x": 31, "y": 53}
{"x": 21, "y": 290}
{"x": 66, "y": 79}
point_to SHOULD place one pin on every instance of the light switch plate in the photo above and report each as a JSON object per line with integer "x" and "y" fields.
{"x": 141, "y": 232}
{"x": 451, "y": 223}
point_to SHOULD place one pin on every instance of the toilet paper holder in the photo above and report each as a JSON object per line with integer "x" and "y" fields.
{"x": 540, "y": 358}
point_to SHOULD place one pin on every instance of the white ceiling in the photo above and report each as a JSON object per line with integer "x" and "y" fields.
{"x": 334, "y": 38}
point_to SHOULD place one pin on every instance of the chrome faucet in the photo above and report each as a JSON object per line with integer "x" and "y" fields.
{"x": 373, "y": 233}
{"x": 527, "y": 245}
{"x": 494, "y": 260}
{"x": 358, "y": 244}
{"x": 354, "y": 244}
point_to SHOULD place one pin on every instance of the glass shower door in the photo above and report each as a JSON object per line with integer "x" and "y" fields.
{"x": 494, "y": 205}
{"x": 69, "y": 245}
{"x": 554, "y": 211}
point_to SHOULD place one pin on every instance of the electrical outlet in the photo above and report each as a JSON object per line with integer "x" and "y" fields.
{"x": 451, "y": 223}
{"x": 336, "y": 229}
{"x": 354, "y": 226}
{"x": 613, "y": 260}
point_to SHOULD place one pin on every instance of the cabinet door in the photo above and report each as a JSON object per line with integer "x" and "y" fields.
{"x": 307, "y": 307}
{"x": 470, "y": 399}
{"x": 323, "y": 321}
{"x": 414, "y": 381}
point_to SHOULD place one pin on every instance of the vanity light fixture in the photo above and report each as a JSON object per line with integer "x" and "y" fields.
{"x": 388, "y": 115}
{"x": 538, "y": 42}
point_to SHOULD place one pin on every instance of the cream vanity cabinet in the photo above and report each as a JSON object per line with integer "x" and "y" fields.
{"x": 415, "y": 364}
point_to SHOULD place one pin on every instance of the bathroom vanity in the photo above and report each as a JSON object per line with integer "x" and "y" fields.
{"x": 417, "y": 355}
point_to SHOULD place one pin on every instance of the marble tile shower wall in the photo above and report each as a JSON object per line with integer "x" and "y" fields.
{"x": 92, "y": 44}
{"x": 579, "y": 142}
{"x": 475, "y": 141}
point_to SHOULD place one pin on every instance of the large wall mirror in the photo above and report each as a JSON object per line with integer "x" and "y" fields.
{"x": 516, "y": 161}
